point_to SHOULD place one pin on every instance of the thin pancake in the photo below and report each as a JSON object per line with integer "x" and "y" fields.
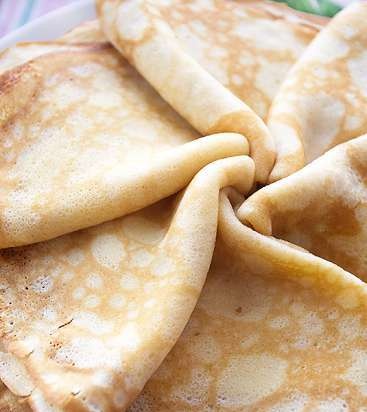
{"x": 140, "y": 32}
{"x": 321, "y": 208}
{"x": 92, "y": 314}
{"x": 232, "y": 56}
{"x": 323, "y": 100}
{"x": 85, "y": 139}
{"x": 248, "y": 46}
{"x": 275, "y": 329}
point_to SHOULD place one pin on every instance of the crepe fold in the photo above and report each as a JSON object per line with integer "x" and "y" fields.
{"x": 100, "y": 308}
{"x": 275, "y": 329}
{"x": 179, "y": 48}
{"x": 323, "y": 100}
{"x": 321, "y": 208}
{"x": 77, "y": 153}
{"x": 148, "y": 273}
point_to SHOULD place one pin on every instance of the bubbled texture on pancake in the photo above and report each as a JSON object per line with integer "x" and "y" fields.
{"x": 323, "y": 100}
{"x": 266, "y": 336}
{"x": 88, "y": 318}
{"x": 80, "y": 106}
{"x": 77, "y": 127}
{"x": 247, "y": 46}
{"x": 145, "y": 37}
{"x": 321, "y": 208}
{"x": 91, "y": 315}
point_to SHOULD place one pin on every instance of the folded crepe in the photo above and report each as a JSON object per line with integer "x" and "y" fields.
{"x": 275, "y": 329}
{"x": 46, "y": 224}
{"x": 220, "y": 37}
{"x": 33, "y": 365}
{"x": 86, "y": 140}
{"x": 148, "y": 42}
{"x": 323, "y": 100}
{"x": 321, "y": 208}
{"x": 88, "y": 317}
{"x": 189, "y": 49}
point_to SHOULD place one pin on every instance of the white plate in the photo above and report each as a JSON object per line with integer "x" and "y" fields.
{"x": 52, "y": 25}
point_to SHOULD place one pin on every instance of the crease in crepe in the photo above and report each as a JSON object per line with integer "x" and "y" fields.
{"x": 321, "y": 102}
{"x": 140, "y": 33}
{"x": 218, "y": 40}
{"x": 92, "y": 314}
{"x": 221, "y": 40}
{"x": 83, "y": 121}
{"x": 275, "y": 329}
{"x": 90, "y": 31}
{"x": 321, "y": 208}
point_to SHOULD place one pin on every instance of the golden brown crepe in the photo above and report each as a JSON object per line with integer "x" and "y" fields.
{"x": 88, "y": 317}
{"x": 19, "y": 55}
{"x": 323, "y": 100}
{"x": 159, "y": 38}
{"x": 275, "y": 329}
{"x": 232, "y": 57}
{"x": 85, "y": 140}
{"x": 140, "y": 32}
{"x": 321, "y": 208}
{"x": 248, "y": 46}
{"x": 92, "y": 314}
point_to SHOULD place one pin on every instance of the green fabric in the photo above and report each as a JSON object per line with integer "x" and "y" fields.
{"x": 322, "y": 7}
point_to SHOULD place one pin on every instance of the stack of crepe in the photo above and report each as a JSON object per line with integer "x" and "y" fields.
{"x": 183, "y": 211}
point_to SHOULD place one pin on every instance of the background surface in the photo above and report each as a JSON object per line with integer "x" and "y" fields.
{"x": 15, "y": 13}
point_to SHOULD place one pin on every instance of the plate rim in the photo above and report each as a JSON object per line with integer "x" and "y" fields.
{"x": 52, "y": 24}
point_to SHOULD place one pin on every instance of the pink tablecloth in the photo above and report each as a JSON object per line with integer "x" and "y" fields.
{"x": 15, "y": 13}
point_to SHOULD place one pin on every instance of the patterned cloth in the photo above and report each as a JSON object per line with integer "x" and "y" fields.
{"x": 15, "y": 13}
{"x": 322, "y": 7}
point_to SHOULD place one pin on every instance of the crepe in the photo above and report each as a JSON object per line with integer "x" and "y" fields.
{"x": 275, "y": 17}
{"x": 321, "y": 208}
{"x": 88, "y": 317}
{"x": 92, "y": 314}
{"x": 150, "y": 45}
{"x": 94, "y": 144}
{"x": 276, "y": 329}
{"x": 235, "y": 63}
{"x": 323, "y": 100}
{"x": 87, "y": 32}
{"x": 19, "y": 55}
{"x": 221, "y": 38}
{"x": 159, "y": 39}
